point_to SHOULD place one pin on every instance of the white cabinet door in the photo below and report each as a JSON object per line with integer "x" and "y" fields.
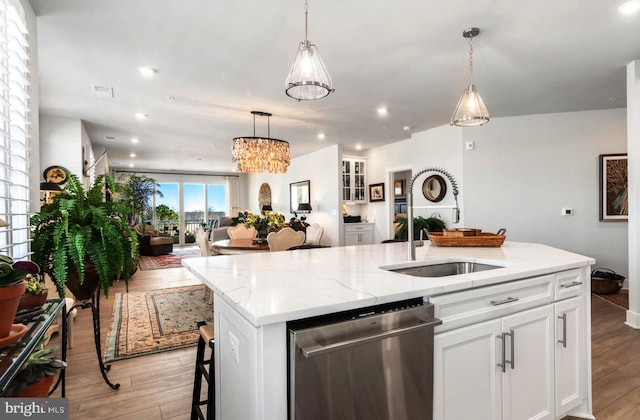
{"x": 570, "y": 392}
{"x": 358, "y": 234}
{"x": 351, "y": 238}
{"x": 354, "y": 180}
{"x": 529, "y": 378}
{"x": 467, "y": 382}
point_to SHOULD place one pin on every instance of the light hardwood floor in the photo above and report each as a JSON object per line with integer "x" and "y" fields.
{"x": 159, "y": 386}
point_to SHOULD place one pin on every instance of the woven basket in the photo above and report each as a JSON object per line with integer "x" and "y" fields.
{"x": 605, "y": 281}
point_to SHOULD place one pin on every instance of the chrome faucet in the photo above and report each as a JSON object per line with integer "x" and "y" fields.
{"x": 456, "y": 209}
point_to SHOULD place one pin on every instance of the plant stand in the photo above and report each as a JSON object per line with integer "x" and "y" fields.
{"x": 94, "y": 304}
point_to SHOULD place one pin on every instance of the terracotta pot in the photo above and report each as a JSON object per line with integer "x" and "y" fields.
{"x": 9, "y": 299}
{"x": 38, "y": 389}
{"x": 29, "y": 300}
{"x": 88, "y": 287}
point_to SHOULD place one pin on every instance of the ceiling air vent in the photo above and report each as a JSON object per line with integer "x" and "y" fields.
{"x": 102, "y": 91}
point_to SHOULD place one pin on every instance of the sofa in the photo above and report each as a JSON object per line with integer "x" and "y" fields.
{"x": 218, "y": 228}
{"x": 152, "y": 242}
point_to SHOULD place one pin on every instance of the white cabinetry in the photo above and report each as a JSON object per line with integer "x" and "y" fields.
{"x": 354, "y": 180}
{"x": 358, "y": 234}
{"x": 526, "y": 361}
{"x": 506, "y": 367}
{"x": 570, "y": 387}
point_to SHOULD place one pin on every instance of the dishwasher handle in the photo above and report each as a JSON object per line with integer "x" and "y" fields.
{"x": 317, "y": 350}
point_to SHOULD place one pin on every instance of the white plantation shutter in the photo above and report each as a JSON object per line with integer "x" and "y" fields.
{"x": 14, "y": 131}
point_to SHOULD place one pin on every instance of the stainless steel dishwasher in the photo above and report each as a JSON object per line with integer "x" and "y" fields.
{"x": 371, "y": 364}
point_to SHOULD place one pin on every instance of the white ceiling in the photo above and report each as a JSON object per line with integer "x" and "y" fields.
{"x": 220, "y": 60}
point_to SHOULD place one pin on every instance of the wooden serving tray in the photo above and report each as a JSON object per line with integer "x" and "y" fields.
{"x": 484, "y": 239}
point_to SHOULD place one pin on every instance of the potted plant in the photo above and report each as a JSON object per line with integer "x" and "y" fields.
{"x": 11, "y": 288}
{"x": 84, "y": 241}
{"x": 36, "y": 376}
{"x": 35, "y": 292}
{"x": 297, "y": 224}
{"x": 432, "y": 224}
{"x": 271, "y": 222}
{"x": 135, "y": 192}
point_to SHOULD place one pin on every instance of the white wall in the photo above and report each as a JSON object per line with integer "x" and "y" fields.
{"x": 61, "y": 143}
{"x": 381, "y": 163}
{"x": 524, "y": 170}
{"x": 633, "y": 142}
{"x": 439, "y": 147}
{"x": 322, "y": 169}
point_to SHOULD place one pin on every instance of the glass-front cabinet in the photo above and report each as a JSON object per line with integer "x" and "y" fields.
{"x": 354, "y": 180}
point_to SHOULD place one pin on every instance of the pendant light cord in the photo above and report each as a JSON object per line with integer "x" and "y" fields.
{"x": 306, "y": 19}
{"x": 268, "y": 123}
{"x": 471, "y": 58}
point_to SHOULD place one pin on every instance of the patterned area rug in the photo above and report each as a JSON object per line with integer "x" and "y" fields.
{"x": 157, "y": 320}
{"x": 172, "y": 260}
{"x": 621, "y": 298}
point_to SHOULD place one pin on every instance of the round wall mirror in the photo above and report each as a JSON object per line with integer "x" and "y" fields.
{"x": 434, "y": 188}
{"x": 264, "y": 195}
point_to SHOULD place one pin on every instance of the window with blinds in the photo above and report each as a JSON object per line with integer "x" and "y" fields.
{"x": 14, "y": 131}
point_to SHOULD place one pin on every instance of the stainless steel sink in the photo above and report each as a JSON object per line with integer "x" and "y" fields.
{"x": 443, "y": 269}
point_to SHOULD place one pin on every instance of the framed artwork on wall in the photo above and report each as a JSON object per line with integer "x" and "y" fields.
{"x": 614, "y": 200}
{"x": 376, "y": 192}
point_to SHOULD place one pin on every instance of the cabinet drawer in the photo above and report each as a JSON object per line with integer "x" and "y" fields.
{"x": 359, "y": 228}
{"x": 569, "y": 284}
{"x": 471, "y": 306}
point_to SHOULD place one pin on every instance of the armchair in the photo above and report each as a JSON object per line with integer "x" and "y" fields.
{"x": 152, "y": 242}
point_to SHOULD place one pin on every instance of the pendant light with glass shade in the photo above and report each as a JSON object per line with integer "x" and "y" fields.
{"x": 308, "y": 78}
{"x": 470, "y": 110}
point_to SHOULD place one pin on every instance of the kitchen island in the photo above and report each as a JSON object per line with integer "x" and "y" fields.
{"x": 256, "y": 295}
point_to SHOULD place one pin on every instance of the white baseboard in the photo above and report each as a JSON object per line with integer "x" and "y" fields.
{"x": 633, "y": 319}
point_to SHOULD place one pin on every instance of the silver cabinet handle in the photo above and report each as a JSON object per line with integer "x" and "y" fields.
{"x": 503, "y": 365}
{"x": 572, "y": 284}
{"x": 564, "y": 330}
{"x": 502, "y": 302}
{"x": 318, "y": 349}
{"x": 512, "y": 336}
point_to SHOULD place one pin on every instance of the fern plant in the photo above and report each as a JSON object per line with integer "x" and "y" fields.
{"x": 80, "y": 226}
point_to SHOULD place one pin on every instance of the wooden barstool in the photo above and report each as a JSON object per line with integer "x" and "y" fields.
{"x": 202, "y": 370}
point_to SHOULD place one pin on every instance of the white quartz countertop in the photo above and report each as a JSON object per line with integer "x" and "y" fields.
{"x": 274, "y": 287}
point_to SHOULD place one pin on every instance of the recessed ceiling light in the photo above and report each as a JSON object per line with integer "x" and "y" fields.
{"x": 629, "y": 7}
{"x": 407, "y": 128}
{"x": 382, "y": 111}
{"x": 321, "y": 136}
{"x": 132, "y": 155}
{"x": 358, "y": 147}
{"x": 131, "y": 165}
{"x": 134, "y": 140}
{"x": 141, "y": 116}
{"x": 147, "y": 71}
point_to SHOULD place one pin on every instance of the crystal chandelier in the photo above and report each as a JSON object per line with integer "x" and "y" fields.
{"x": 308, "y": 77}
{"x": 470, "y": 110}
{"x": 260, "y": 154}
